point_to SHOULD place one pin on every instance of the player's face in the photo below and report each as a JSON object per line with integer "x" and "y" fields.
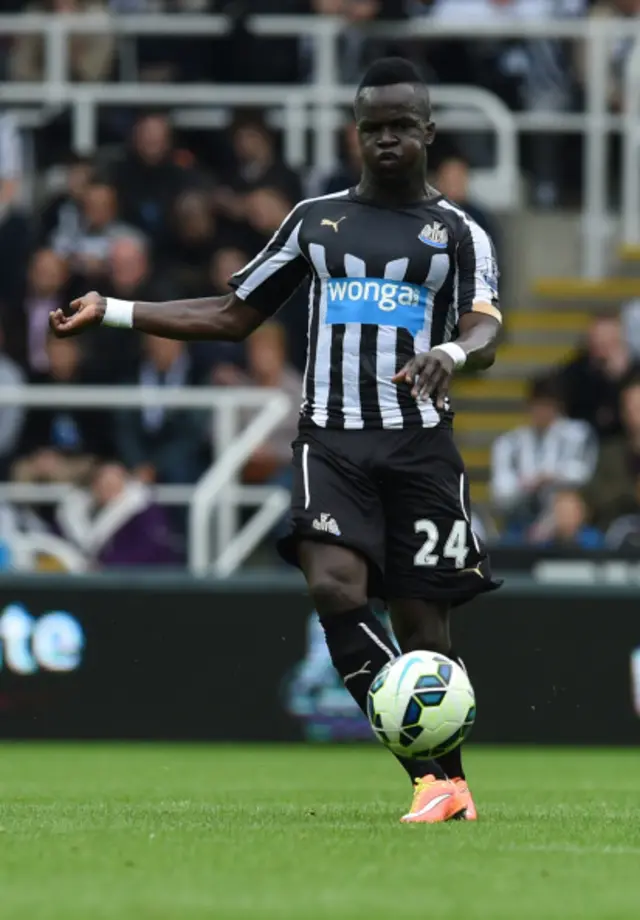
{"x": 394, "y": 130}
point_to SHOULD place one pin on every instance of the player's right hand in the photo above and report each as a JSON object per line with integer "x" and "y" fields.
{"x": 429, "y": 375}
{"x": 84, "y": 312}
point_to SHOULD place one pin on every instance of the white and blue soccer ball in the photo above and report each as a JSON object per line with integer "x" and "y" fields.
{"x": 421, "y": 705}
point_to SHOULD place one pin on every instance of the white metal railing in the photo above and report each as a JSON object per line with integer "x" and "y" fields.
{"x": 217, "y": 542}
{"x": 314, "y": 106}
{"x": 630, "y": 185}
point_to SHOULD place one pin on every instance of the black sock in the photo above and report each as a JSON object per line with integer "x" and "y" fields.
{"x": 451, "y": 763}
{"x": 360, "y": 646}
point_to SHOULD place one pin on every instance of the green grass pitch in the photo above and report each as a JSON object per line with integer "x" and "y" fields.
{"x": 108, "y": 832}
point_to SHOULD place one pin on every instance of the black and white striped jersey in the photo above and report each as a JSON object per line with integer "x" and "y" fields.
{"x": 386, "y": 283}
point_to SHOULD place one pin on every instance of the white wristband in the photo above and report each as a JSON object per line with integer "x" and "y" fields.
{"x": 454, "y": 351}
{"x": 118, "y": 313}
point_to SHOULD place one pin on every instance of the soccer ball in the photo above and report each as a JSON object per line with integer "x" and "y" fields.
{"x": 421, "y": 705}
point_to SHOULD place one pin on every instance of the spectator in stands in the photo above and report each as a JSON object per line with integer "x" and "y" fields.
{"x": 207, "y": 356}
{"x": 88, "y": 252}
{"x": 267, "y": 366}
{"x": 535, "y": 75}
{"x": 347, "y": 174}
{"x": 356, "y": 50}
{"x": 6, "y": 41}
{"x": 149, "y": 180}
{"x": 60, "y": 444}
{"x": 191, "y": 243}
{"x": 567, "y": 524}
{"x": 90, "y": 56}
{"x": 243, "y": 57}
{"x": 11, "y": 417}
{"x": 265, "y": 210}
{"x": 630, "y": 319}
{"x": 62, "y": 218}
{"x": 224, "y": 263}
{"x": 158, "y": 444}
{"x": 529, "y": 464}
{"x": 131, "y": 272}
{"x": 257, "y": 165}
{"x": 113, "y": 354}
{"x": 14, "y": 228}
{"x": 619, "y": 49}
{"x": 452, "y": 179}
{"x": 116, "y": 523}
{"x": 47, "y": 291}
{"x": 592, "y": 382}
{"x": 614, "y": 490}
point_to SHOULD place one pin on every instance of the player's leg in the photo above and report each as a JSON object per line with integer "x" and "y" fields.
{"x": 424, "y": 625}
{"x": 333, "y": 492}
{"x": 434, "y": 561}
{"x": 417, "y": 625}
{"x": 337, "y": 539}
{"x": 360, "y": 646}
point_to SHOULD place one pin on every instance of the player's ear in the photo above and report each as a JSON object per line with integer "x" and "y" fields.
{"x": 430, "y": 133}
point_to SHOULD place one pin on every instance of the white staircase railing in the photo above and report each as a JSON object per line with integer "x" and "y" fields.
{"x": 218, "y": 495}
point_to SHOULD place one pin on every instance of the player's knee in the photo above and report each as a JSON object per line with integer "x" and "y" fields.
{"x": 434, "y": 639}
{"x": 427, "y": 633}
{"x": 336, "y": 590}
{"x": 421, "y": 626}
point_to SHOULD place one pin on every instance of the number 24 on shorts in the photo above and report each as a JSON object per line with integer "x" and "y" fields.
{"x": 455, "y": 546}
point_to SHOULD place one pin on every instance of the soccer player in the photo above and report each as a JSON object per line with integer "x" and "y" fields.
{"x": 403, "y": 292}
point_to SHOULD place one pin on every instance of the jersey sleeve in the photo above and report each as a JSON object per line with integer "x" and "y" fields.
{"x": 476, "y": 280}
{"x": 270, "y": 279}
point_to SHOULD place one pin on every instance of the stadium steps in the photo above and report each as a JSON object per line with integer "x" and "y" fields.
{"x": 628, "y": 261}
{"x": 594, "y": 295}
{"x": 480, "y": 494}
{"x": 540, "y": 327}
{"x": 521, "y": 358}
{"x": 489, "y": 423}
{"x": 537, "y": 338}
{"x": 629, "y": 254}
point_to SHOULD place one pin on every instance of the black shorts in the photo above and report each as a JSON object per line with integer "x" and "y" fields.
{"x": 401, "y": 499}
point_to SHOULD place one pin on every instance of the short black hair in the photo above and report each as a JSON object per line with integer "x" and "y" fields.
{"x": 389, "y": 71}
{"x": 630, "y": 381}
{"x": 78, "y": 159}
{"x": 606, "y": 315}
{"x": 547, "y": 388}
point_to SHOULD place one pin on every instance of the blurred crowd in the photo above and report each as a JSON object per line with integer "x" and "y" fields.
{"x": 533, "y": 74}
{"x": 146, "y": 224}
{"x": 159, "y": 215}
{"x": 570, "y": 478}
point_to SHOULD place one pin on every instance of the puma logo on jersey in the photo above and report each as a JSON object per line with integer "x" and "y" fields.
{"x": 332, "y": 223}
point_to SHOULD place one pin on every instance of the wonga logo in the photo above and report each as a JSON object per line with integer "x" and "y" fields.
{"x": 376, "y": 302}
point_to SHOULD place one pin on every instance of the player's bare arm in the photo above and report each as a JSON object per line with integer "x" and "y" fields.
{"x": 431, "y": 372}
{"x": 226, "y": 318}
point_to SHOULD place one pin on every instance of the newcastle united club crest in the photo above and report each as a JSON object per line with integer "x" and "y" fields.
{"x": 435, "y": 235}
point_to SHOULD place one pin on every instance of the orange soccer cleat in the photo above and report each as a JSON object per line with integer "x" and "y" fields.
{"x": 470, "y": 813}
{"x": 434, "y": 800}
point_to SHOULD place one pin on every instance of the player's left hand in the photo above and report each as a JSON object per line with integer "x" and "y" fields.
{"x": 430, "y": 373}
